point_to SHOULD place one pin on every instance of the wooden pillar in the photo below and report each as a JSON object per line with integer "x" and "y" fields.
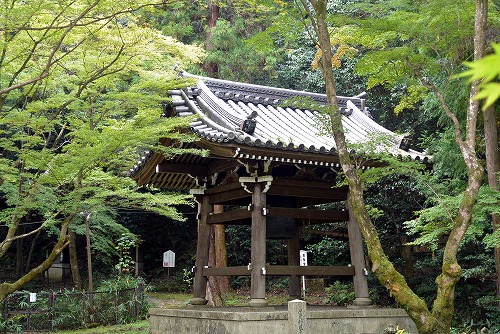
{"x": 294, "y": 260}
{"x": 258, "y": 251}
{"x": 358, "y": 260}
{"x": 202, "y": 248}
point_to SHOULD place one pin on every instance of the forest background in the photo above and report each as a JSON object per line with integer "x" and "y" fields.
{"x": 64, "y": 147}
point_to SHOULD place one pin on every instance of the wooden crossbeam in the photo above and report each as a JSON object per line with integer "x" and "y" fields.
{"x": 176, "y": 168}
{"x": 310, "y": 270}
{"x": 316, "y": 214}
{"x": 307, "y": 184}
{"x": 232, "y": 217}
{"x": 228, "y": 196}
{"x": 331, "y": 194}
{"x": 272, "y": 270}
{"x": 227, "y": 271}
{"x": 329, "y": 233}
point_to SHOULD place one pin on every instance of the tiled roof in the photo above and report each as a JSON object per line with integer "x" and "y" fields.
{"x": 223, "y": 106}
{"x": 241, "y": 122}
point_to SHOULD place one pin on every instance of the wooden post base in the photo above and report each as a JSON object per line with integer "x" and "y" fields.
{"x": 198, "y": 301}
{"x": 257, "y": 302}
{"x": 362, "y": 301}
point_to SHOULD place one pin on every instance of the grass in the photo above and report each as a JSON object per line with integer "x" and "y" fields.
{"x": 168, "y": 298}
{"x": 139, "y": 327}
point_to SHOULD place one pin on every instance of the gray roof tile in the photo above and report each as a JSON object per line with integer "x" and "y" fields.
{"x": 223, "y": 105}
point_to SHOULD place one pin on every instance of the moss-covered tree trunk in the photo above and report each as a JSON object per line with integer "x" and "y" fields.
{"x": 439, "y": 320}
{"x": 443, "y": 307}
{"x": 9, "y": 237}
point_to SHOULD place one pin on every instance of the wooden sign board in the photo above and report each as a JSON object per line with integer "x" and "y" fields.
{"x": 303, "y": 258}
{"x": 168, "y": 259}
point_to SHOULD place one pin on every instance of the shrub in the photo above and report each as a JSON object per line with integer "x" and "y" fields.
{"x": 340, "y": 293}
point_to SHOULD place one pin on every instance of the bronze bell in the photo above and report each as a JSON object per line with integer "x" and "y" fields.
{"x": 281, "y": 227}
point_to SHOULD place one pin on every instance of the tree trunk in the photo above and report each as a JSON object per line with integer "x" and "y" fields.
{"x": 11, "y": 233}
{"x": 381, "y": 266}
{"x": 407, "y": 257}
{"x": 493, "y": 168}
{"x": 32, "y": 249}
{"x": 212, "y": 69}
{"x": 217, "y": 257}
{"x": 62, "y": 242}
{"x": 73, "y": 261}
{"x": 19, "y": 258}
{"x": 439, "y": 320}
{"x": 221, "y": 257}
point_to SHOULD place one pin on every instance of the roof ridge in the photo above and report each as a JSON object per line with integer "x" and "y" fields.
{"x": 265, "y": 95}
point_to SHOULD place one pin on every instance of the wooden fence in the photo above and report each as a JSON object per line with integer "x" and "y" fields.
{"x": 65, "y": 309}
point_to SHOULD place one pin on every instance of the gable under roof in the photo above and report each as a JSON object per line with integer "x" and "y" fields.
{"x": 243, "y": 121}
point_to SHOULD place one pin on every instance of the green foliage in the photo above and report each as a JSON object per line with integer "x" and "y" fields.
{"x": 436, "y": 220}
{"x": 403, "y": 43}
{"x": 124, "y": 245}
{"x": 124, "y": 307}
{"x": 329, "y": 252}
{"x": 340, "y": 293}
{"x": 486, "y": 70}
{"x": 237, "y": 58}
{"x": 81, "y": 93}
{"x": 116, "y": 301}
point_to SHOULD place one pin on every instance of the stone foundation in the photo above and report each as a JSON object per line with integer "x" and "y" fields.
{"x": 274, "y": 320}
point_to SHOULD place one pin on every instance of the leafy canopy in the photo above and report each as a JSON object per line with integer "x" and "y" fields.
{"x": 82, "y": 86}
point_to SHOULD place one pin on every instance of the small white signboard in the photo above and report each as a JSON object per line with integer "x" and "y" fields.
{"x": 168, "y": 259}
{"x": 32, "y": 297}
{"x": 303, "y": 263}
{"x": 303, "y": 258}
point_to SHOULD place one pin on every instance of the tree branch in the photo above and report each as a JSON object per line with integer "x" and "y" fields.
{"x": 50, "y": 60}
{"x": 21, "y": 236}
{"x": 65, "y": 26}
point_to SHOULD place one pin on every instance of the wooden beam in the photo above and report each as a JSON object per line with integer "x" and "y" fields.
{"x": 227, "y": 271}
{"x": 229, "y": 217}
{"x": 316, "y": 214}
{"x": 329, "y": 233}
{"x": 202, "y": 249}
{"x": 308, "y": 184}
{"x": 293, "y": 156}
{"x": 221, "y": 165}
{"x": 144, "y": 175}
{"x": 258, "y": 247}
{"x": 283, "y": 271}
{"x": 309, "y": 270}
{"x": 175, "y": 168}
{"x": 229, "y": 196}
{"x": 332, "y": 194}
{"x": 223, "y": 188}
{"x": 294, "y": 260}
{"x": 218, "y": 150}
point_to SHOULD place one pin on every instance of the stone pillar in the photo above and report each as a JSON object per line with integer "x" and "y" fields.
{"x": 294, "y": 260}
{"x": 258, "y": 251}
{"x": 297, "y": 318}
{"x": 358, "y": 260}
{"x": 202, "y": 249}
